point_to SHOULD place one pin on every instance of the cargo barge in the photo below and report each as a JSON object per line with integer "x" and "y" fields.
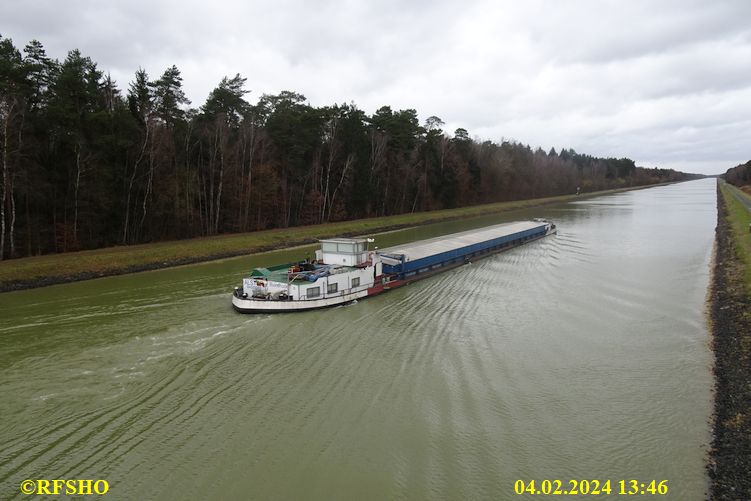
{"x": 345, "y": 269}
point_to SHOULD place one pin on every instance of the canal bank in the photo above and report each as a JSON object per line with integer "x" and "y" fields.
{"x": 730, "y": 307}
{"x": 52, "y": 269}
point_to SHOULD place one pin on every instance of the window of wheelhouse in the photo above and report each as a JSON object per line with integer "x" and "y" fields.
{"x": 313, "y": 292}
{"x": 333, "y": 288}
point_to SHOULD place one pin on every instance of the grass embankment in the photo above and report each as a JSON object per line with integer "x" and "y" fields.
{"x": 739, "y": 218}
{"x": 59, "y": 268}
{"x": 730, "y": 460}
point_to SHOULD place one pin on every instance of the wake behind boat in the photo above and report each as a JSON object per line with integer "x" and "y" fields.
{"x": 345, "y": 269}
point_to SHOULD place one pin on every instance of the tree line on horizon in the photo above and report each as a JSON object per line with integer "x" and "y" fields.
{"x": 86, "y": 164}
{"x": 740, "y": 175}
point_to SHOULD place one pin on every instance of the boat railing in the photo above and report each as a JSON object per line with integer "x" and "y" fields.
{"x": 306, "y": 274}
{"x": 284, "y": 297}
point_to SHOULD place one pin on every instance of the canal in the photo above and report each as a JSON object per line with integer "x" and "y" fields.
{"x": 580, "y": 356}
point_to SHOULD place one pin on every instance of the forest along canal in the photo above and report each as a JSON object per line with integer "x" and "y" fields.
{"x": 580, "y": 356}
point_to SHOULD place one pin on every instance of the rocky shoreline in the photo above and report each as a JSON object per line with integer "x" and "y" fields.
{"x": 729, "y": 463}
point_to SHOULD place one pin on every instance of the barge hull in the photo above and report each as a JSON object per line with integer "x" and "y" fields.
{"x": 250, "y": 305}
{"x": 451, "y": 263}
{"x": 432, "y": 254}
{"x": 397, "y": 266}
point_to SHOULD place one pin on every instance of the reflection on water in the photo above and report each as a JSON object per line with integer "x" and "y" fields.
{"x": 579, "y": 356}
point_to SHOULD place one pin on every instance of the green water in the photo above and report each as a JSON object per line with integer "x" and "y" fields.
{"x": 580, "y": 356}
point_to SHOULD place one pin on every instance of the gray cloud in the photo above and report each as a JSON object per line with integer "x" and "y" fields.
{"x": 665, "y": 83}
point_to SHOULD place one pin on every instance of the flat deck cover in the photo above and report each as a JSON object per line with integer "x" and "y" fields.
{"x": 445, "y": 243}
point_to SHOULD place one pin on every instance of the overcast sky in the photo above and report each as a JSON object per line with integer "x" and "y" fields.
{"x": 667, "y": 83}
